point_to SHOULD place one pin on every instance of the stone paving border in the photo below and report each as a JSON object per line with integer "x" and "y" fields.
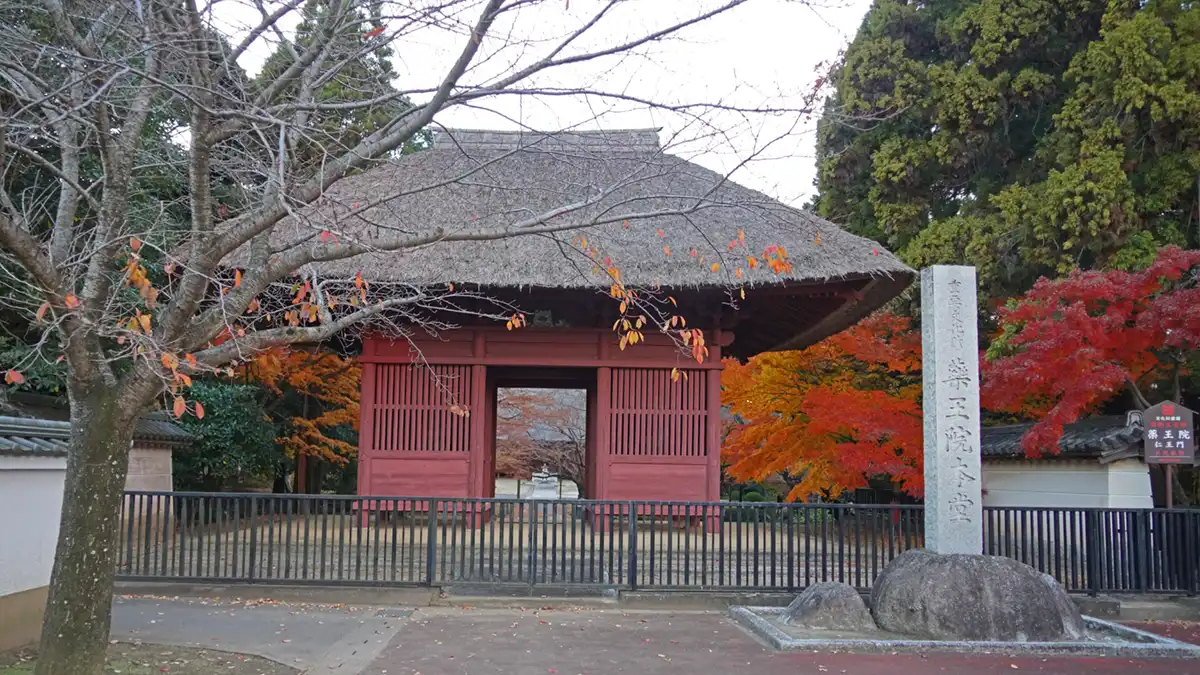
{"x": 1141, "y": 644}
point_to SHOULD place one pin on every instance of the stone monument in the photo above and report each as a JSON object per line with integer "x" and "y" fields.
{"x": 950, "y": 353}
{"x": 950, "y": 590}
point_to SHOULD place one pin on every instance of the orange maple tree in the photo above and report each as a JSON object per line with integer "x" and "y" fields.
{"x": 833, "y": 415}
{"x": 1070, "y": 345}
{"x": 327, "y": 386}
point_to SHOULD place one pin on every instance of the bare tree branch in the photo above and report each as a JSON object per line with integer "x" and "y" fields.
{"x": 165, "y": 214}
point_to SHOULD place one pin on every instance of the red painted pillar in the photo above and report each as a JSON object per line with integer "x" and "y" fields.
{"x": 712, "y": 423}
{"x": 366, "y": 427}
{"x": 603, "y": 441}
{"x": 589, "y": 472}
{"x": 479, "y": 444}
{"x": 489, "y": 445}
{"x": 366, "y": 431}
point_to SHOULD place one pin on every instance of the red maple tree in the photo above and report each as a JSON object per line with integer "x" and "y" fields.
{"x": 833, "y": 415}
{"x": 1070, "y": 345}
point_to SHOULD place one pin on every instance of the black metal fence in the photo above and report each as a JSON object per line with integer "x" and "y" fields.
{"x": 1102, "y": 550}
{"x": 351, "y": 540}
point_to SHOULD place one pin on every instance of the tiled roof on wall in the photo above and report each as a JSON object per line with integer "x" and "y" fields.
{"x": 1105, "y": 438}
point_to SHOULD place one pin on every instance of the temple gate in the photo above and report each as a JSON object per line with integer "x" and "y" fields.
{"x": 703, "y": 247}
{"x": 428, "y": 412}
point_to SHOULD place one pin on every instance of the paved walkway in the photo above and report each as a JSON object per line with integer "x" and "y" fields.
{"x": 321, "y": 638}
{"x": 339, "y": 640}
{"x": 1184, "y": 631}
{"x": 605, "y": 642}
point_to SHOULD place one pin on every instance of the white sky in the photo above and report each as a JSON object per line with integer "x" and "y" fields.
{"x": 763, "y": 54}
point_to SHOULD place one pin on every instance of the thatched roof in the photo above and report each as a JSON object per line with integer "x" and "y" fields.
{"x": 471, "y": 181}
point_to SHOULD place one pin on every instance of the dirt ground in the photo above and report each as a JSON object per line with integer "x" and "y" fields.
{"x": 133, "y": 659}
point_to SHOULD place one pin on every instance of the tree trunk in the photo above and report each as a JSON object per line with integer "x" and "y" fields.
{"x": 75, "y": 631}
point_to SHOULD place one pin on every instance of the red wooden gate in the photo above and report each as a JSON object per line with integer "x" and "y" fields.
{"x": 649, "y": 437}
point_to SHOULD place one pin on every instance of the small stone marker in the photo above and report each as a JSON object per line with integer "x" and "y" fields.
{"x": 950, "y": 350}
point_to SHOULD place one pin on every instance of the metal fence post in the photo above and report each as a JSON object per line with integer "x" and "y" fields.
{"x": 1092, "y": 550}
{"x": 1191, "y": 523}
{"x": 533, "y": 559}
{"x": 790, "y": 511}
{"x": 253, "y": 562}
{"x": 1145, "y": 551}
{"x": 431, "y": 542}
{"x": 633, "y": 557}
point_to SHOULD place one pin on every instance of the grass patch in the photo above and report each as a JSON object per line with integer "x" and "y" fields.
{"x": 144, "y": 659}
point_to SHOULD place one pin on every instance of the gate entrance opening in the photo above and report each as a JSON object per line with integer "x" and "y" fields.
{"x": 543, "y": 423}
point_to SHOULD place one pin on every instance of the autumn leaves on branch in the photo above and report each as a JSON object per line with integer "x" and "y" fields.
{"x": 848, "y": 409}
{"x": 1070, "y": 345}
{"x": 831, "y": 415}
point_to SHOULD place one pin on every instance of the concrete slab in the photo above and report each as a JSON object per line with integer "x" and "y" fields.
{"x": 701, "y": 600}
{"x": 403, "y": 596}
{"x": 1115, "y": 608}
{"x": 1101, "y": 606}
{"x": 304, "y": 636}
{"x": 1177, "y": 609}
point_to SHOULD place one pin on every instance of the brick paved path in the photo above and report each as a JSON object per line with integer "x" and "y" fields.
{"x": 1184, "y": 631}
{"x": 595, "y": 642}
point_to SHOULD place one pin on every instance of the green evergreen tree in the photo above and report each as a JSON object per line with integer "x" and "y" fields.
{"x": 1026, "y": 137}
{"x": 359, "y": 70}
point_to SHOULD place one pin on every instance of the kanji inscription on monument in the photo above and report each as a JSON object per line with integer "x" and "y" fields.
{"x": 950, "y": 352}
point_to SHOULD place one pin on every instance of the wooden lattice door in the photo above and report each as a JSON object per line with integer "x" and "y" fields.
{"x": 416, "y": 439}
{"x": 658, "y": 435}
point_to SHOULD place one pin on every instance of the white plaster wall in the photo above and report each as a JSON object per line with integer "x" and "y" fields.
{"x": 1067, "y": 484}
{"x": 1129, "y": 485}
{"x": 1064, "y": 484}
{"x": 31, "y": 492}
{"x": 1057, "y": 537}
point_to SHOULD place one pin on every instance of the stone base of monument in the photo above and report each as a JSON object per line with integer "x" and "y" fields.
{"x": 829, "y": 605}
{"x": 954, "y": 603}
